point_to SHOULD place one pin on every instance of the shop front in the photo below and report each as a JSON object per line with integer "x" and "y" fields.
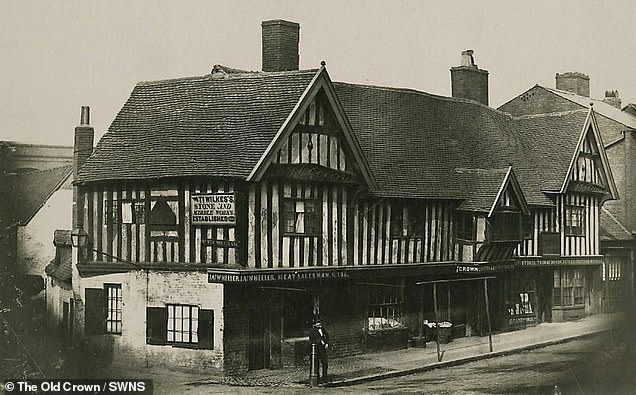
{"x": 269, "y": 312}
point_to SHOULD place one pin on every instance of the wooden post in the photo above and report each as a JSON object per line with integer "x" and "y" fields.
{"x": 488, "y": 313}
{"x": 422, "y": 312}
{"x": 439, "y": 356}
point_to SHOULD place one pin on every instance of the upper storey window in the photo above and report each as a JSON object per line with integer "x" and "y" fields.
{"x": 407, "y": 221}
{"x": 301, "y": 216}
{"x": 575, "y": 220}
{"x": 587, "y": 164}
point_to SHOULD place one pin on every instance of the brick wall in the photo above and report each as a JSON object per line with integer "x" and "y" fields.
{"x": 538, "y": 101}
{"x": 236, "y": 342}
{"x": 343, "y": 310}
{"x": 156, "y": 289}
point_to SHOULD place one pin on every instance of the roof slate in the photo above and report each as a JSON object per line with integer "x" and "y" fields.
{"x": 611, "y": 228}
{"x": 33, "y": 189}
{"x": 416, "y": 143}
{"x": 199, "y": 126}
{"x": 599, "y": 106}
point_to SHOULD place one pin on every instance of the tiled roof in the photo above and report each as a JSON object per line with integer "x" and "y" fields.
{"x": 199, "y": 126}
{"x": 612, "y": 229}
{"x": 415, "y": 142}
{"x": 33, "y": 189}
{"x": 599, "y": 106}
{"x": 480, "y": 187}
{"x": 547, "y": 145}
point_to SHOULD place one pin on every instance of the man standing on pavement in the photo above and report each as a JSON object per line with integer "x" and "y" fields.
{"x": 320, "y": 337}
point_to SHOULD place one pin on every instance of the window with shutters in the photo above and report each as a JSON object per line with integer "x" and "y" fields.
{"x": 180, "y": 325}
{"x": 183, "y": 324}
{"x": 103, "y": 310}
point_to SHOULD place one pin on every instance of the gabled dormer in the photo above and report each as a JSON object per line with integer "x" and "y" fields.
{"x": 589, "y": 170}
{"x": 316, "y": 142}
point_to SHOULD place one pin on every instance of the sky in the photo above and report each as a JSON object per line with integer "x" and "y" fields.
{"x": 59, "y": 55}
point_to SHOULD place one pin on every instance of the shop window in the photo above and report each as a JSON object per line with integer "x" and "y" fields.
{"x": 569, "y": 288}
{"x": 103, "y": 309}
{"x": 113, "y": 307}
{"x": 465, "y": 226}
{"x": 180, "y": 325}
{"x": 301, "y": 216}
{"x": 407, "y": 221}
{"x": 575, "y": 220}
{"x": 385, "y": 307}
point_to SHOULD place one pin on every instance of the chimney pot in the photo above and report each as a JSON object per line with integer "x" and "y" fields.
{"x": 611, "y": 98}
{"x": 85, "y": 117}
{"x": 280, "y": 40}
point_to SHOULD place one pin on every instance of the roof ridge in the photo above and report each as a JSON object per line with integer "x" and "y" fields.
{"x": 552, "y": 114}
{"x": 38, "y": 171}
{"x": 232, "y": 76}
{"x": 432, "y": 95}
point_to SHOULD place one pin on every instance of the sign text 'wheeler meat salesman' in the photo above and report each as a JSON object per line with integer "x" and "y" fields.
{"x": 213, "y": 209}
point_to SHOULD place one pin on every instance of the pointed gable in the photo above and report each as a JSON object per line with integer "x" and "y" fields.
{"x": 213, "y": 125}
{"x": 316, "y": 142}
{"x": 589, "y": 169}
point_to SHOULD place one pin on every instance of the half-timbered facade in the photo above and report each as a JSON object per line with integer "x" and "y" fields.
{"x": 226, "y": 211}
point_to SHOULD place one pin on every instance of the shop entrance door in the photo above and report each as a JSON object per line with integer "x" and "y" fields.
{"x": 257, "y": 347}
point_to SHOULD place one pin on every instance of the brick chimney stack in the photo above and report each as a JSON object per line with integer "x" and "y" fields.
{"x": 468, "y": 81}
{"x": 280, "y": 45}
{"x": 82, "y": 149}
{"x": 577, "y": 83}
{"x": 611, "y": 98}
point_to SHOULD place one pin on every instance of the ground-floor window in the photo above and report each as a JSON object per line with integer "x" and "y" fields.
{"x": 180, "y": 325}
{"x": 386, "y": 304}
{"x": 113, "y": 307}
{"x": 103, "y": 309}
{"x": 183, "y": 324}
{"x": 568, "y": 287}
{"x": 298, "y": 312}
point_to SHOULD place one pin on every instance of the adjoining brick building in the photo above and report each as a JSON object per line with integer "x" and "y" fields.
{"x": 225, "y": 211}
{"x": 617, "y": 128}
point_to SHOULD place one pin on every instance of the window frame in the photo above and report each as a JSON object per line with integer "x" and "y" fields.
{"x": 568, "y": 223}
{"x": 192, "y": 332}
{"x": 311, "y": 220}
{"x": 407, "y": 226}
{"x": 568, "y": 288}
{"x": 388, "y": 302}
{"x": 114, "y": 305}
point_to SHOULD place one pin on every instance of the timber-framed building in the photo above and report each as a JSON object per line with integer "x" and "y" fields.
{"x": 225, "y": 211}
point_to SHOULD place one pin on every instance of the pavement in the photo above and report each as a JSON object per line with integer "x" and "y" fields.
{"x": 368, "y": 367}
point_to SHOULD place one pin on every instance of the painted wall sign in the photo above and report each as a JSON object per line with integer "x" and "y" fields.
{"x": 213, "y": 209}
{"x": 219, "y": 243}
{"x": 261, "y": 277}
